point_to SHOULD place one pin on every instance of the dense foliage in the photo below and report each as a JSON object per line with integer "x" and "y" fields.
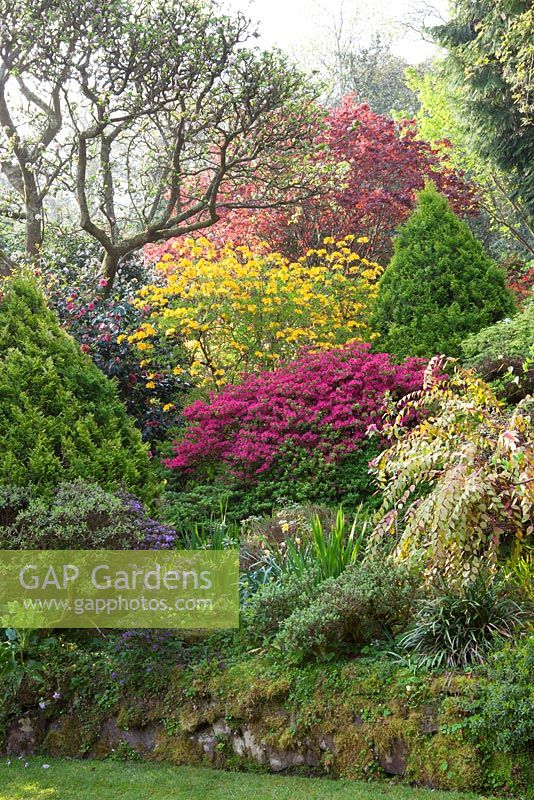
{"x": 60, "y": 418}
{"x": 503, "y": 222}
{"x": 280, "y": 432}
{"x": 380, "y": 504}
{"x": 490, "y": 58}
{"x": 457, "y": 487}
{"x": 507, "y": 713}
{"x": 78, "y": 516}
{"x": 236, "y": 309}
{"x": 439, "y": 286}
{"x": 150, "y": 384}
{"x": 504, "y": 353}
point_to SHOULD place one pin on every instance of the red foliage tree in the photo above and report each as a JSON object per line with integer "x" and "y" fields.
{"x": 383, "y": 164}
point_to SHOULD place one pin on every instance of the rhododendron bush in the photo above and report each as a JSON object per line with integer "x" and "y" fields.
{"x": 238, "y": 309}
{"x": 321, "y": 404}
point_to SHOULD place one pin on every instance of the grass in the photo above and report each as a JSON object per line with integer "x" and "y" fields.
{"x": 95, "y": 780}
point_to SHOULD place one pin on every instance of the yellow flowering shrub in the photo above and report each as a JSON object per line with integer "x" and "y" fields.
{"x": 236, "y": 309}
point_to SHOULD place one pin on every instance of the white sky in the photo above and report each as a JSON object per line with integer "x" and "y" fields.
{"x": 294, "y": 25}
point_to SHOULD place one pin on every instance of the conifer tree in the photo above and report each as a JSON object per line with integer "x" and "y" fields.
{"x": 60, "y": 417}
{"x": 440, "y": 285}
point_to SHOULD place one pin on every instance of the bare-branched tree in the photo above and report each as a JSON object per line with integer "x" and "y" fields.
{"x": 156, "y": 111}
{"x": 39, "y": 42}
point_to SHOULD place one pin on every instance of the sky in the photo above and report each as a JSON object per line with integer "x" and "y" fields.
{"x": 296, "y": 26}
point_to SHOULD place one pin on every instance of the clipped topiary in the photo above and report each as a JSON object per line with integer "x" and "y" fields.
{"x": 440, "y": 285}
{"x": 60, "y": 417}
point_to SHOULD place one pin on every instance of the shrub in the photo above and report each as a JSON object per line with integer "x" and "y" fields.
{"x": 457, "y": 487}
{"x": 239, "y": 310}
{"x": 151, "y": 382}
{"x": 79, "y": 516}
{"x": 301, "y": 477}
{"x": 199, "y": 505}
{"x": 439, "y": 286}
{"x": 60, "y": 418}
{"x": 507, "y": 702}
{"x": 275, "y": 602}
{"x": 456, "y": 629}
{"x": 500, "y": 353}
{"x": 277, "y": 427}
{"x": 368, "y": 601}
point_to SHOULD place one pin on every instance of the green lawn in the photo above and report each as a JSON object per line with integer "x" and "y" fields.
{"x": 97, "y": 780}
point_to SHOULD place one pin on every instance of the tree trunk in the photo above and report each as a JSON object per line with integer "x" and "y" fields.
{"x": 110, "y": 265}
{"x": 34, "y": 227}
{"x": 6, "y": 265}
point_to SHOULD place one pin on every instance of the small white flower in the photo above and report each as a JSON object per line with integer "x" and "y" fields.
{"x": 26, "y": 764}
{"x": 46, "y": 766}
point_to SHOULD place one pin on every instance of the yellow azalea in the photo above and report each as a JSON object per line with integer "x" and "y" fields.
{"x": 168, "y": 406}
{"x": 145, "y": 346}
{"x": 231, "y": 305}
{"x": 177, "y": 371}
{"x": 362, "y": 239}
{"x": 150, "y": 385}
{"x": 121, "y": 338}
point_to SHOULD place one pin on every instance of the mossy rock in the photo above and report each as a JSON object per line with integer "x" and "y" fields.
{"x": 510, "y": 773}
{"x": 353, "y": 754}
{"x": 138, "y": 713}
{"x": 65, "y": 737}
{"x": 179, "y": 750}
{"x": 444, "y": 761}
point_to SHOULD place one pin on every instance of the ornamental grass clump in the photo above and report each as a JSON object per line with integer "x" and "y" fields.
{"x": 455, "y": 629}
{"x": 328, "y": 551}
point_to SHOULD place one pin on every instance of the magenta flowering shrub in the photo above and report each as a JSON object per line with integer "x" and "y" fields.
{"x": 322, "y": 403}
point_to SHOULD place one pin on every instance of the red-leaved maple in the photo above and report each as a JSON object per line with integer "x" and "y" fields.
{"x": 383, "y": 164}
